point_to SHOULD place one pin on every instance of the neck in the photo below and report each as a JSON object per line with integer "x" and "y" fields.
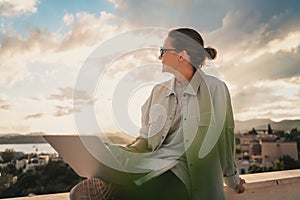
{"x": 184, "y": 75}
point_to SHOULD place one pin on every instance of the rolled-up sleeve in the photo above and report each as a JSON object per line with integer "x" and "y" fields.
{"x": 227, "y": 154}
{"x": 226, "y": 146}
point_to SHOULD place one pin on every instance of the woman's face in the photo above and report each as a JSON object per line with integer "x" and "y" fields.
{"x": 169, "y": 58}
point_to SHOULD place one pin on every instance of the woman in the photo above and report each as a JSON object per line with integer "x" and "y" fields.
{"x": 189, "y": 121}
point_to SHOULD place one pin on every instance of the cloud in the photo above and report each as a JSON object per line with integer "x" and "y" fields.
{"x": 173, "y": 13}
{"x": 53, "y": 48}
{"x": 9, "y": 76}
{"x": 63, "y": 94}
{"x": 287, "y": 44}
{"x": 15, "y": 8}
{"x": 36, "y": 98}
{"x": 88, "y": 29}
{"x": 2, "y": 100}
{"x": 4, "y": 105}
{"x": 290, "y": 43}
{"x": 64, "y": 110}
{"x": 34, "y": 116}
{"x": 254, "y": 45}
{"x": 245, "y": 97}
{"x": 19, "y": 128}
{"x": 257, "y": 42}
{"x": 132, "y": 60}
{"x": 66, "y": 95}
{"x": 244, "y": 37}
{"x": 275, "y": 14}
{"x": 259, "y": 56}
{"x": 37, "y": 41}
{"x": 277, "y": 110}
{"x": 268, "y": 99}
{"x": 18, "y": 53}
{"x": 68, "y": 19}
{"x": 281, "y": 65}
{"x": 205, "y": 15}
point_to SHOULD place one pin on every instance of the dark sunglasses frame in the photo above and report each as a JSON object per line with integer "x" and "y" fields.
{"x": 163, "y": 51}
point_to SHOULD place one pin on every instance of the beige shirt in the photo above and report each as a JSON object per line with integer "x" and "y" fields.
{"x": 172, "y": 147}
{"x": 204, "y": 153}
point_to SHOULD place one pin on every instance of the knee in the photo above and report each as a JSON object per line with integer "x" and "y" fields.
{"x": 91, "y": 188}
{"x": 74, "y": 192}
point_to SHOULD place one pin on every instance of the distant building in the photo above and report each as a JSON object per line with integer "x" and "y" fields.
{"x": 20, "y": 164}
{"x": 249, "y": 147}
{"x": 56, "y": 159}
{"x": 263, "y": 147}
{"x": 20, "y": 155}
{"x": 243, "y": 166}
{"x": 37, "y": 161}
{"x": 272, "y": 151}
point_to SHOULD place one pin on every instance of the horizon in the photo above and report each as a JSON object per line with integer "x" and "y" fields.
{"x": 44, "y": 45}
{"x": 40, "y": 133}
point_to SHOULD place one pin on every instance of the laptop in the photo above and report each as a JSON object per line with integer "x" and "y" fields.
{"x": 89, "y": 156}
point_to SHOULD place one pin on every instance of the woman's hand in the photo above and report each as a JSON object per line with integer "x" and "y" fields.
{"x": 130, "y": 149}
{"x": 240, "y": 188}
{"x": 137, "y": 146}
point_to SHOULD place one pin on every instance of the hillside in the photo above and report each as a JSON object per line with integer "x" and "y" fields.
{"x": 117, "y": 138}
{"x": 22, "y": 139}
{"x": 245, "y": 126}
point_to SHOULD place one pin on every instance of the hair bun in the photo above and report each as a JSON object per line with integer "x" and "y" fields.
{"x": 212, "y": 52}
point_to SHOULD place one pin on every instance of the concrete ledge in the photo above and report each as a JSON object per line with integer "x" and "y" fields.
{"x": 59, "y": 196}
{"x": 269, "y": 185}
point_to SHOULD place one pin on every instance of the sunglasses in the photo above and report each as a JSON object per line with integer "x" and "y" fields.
{"x": 163, "y": 51}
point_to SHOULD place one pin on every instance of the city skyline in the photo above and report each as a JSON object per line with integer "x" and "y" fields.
{"x": 45, "y": 43}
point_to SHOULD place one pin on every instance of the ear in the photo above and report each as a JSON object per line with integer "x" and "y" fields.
{"x": 184, "y": 55}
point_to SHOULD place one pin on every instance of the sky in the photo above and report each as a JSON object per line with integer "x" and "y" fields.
{"x": 45, "y": 45}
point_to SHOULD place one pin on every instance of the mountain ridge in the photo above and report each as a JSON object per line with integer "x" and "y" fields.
{"x": 262, "y": 124}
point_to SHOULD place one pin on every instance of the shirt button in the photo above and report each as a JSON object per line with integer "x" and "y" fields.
{"x": 170, "y": 118}
{"x": 184, "y": 118}
{"x": 191, "y": 165}
{"x": 184, "y": 95}
{"x": 162, "y": 137}
{"x": 187, "y": 140}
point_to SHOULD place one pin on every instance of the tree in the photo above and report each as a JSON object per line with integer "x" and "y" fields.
{"x": 52, "y": 178}
{"x": 253, "y": 169}
{"x": 270, "y": 131}
{"x": 278, "y": 165}
{"x": 253, "y": 132}
{"x": 10, "y": 169}
{"x": 8, "y": 155}
{"x": 294, "y": 132}
{"x": 5, "y": 181}
{"x": 289, "y": 162}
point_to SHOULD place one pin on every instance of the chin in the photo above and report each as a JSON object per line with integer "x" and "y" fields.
{"x": 167, "y": 69}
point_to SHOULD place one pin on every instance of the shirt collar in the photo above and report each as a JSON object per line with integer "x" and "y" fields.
{"x": 170, "y": 85}
{"x": 195, "y": 82}
{"x": 191, "y": 88}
